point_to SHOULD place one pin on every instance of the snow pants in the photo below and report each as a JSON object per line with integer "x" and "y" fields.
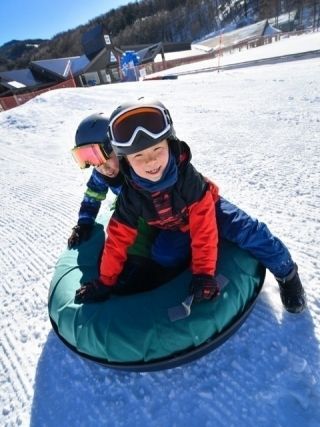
{"x": 173, "y": 247}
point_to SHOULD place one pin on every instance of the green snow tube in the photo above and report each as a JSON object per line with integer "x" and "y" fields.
{"x": 137, "y": 332}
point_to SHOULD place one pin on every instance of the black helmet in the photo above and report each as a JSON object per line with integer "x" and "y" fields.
{"x": 94, "y": 130}
{"x": 135, "y": 126}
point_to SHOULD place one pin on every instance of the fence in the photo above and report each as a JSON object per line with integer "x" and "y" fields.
{"x": 8, "y": 102}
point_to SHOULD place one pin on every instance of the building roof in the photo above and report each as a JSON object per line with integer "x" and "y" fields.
{"x": 149, "y": 53}
{"x": 94, "y": 40}
{"x": 284, "y": 18}
{"x": 232, "y": 38}
{"x": 19, "y": 79}
{"x": 61, "y": 67}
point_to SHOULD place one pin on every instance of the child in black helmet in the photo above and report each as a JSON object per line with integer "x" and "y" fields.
{"x": 93, "y": 148}
{"x": 165, "y": 201}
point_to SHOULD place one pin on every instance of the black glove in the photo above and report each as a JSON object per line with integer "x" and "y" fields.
{"x": 204, "y": 287}
{"x": 80, "y": 233}
{"x": 94, "y": 291}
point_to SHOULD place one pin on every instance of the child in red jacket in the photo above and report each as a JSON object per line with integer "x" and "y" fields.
{"x": 164, "y": 189}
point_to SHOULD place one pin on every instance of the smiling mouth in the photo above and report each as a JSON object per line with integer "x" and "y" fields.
{"x": 154, "y": 171}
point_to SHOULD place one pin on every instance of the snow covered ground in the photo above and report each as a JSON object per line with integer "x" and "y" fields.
{"x": 255, "y": 132}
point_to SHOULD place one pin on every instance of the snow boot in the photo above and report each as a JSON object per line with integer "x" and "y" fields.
{"x": 292, "y": 293}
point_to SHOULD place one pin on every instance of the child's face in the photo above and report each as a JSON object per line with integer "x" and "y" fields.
{"x": 151, "y": 162}
{"x": 111, "y": 166}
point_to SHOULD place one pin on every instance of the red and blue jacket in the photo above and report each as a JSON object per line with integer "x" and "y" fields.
{"x": 188, "y": 205}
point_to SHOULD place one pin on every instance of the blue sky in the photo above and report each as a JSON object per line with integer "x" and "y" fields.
{"x": 33, "y": 19}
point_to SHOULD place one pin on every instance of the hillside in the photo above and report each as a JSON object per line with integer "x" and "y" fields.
{"x": 151, "y": 21}
{"x": 12, "y": 52}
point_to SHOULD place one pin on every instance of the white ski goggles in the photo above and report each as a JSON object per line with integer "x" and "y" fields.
{"x": 154, "y": 121}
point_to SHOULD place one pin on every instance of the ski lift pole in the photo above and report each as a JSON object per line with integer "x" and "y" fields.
{"x": 72, "y": 78}
{"x": 135, "y": 72}
{"x": 219, "y": 54}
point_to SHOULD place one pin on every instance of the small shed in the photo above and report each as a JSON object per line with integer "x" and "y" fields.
{"x": 285, "y": 22}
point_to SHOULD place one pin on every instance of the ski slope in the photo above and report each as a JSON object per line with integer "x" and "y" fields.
{"x": 255, "y": 132}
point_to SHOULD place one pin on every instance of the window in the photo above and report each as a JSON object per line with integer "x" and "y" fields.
{"x": 92, "y": 79}
{"x": 106, "y": 78}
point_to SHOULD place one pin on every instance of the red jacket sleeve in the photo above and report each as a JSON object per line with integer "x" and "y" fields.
{"x": 119, "y": 238}
{"x": 204, "y": 235}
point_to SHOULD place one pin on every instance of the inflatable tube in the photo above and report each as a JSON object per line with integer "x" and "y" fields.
{"x": 136, "y": 332}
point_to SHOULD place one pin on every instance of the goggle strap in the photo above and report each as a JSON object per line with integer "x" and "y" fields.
{"x": 135, "y": 133}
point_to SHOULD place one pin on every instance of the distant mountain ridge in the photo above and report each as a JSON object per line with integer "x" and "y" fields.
{"x": 14, "y": 50}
